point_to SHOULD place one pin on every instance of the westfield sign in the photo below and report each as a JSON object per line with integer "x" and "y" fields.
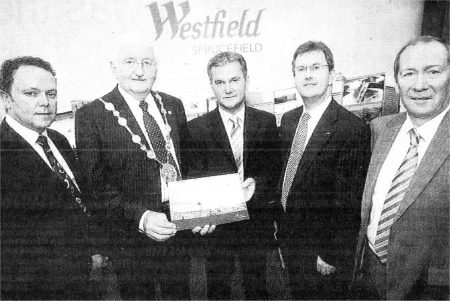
{"x": 217, "y": 26}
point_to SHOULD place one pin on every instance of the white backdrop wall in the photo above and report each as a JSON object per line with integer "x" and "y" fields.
{"x": 74, "y": 36}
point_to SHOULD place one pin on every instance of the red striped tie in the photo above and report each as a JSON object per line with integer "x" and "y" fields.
{"x": 398, "y": 189}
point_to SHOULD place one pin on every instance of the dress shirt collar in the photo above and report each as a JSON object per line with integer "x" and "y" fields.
{"x": 133, "y": 102}
{"x": 226, "y": 115}
{"x": 29, "y": 135}
{"x": 428, "y": 129}
{"x": 317, "y": 112}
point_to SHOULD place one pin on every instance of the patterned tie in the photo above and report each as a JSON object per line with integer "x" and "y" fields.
{"x": 236, "y": 144}
{"x": 159, "y": 144}
{"x": 395, "y": 195}
{"x": 298, "y": 147}
{"x": 59, "y": 171}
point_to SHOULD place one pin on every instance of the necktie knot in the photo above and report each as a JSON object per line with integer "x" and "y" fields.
{"x": 306, "y": 116}
{"x": 42, "y": 141}
{"x": 144, "y": 106}
{"x": 235, "y": 120}
{"x": 414, "y": 136}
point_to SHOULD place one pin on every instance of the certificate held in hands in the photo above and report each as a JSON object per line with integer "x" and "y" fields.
{"x": 209, "y": 200}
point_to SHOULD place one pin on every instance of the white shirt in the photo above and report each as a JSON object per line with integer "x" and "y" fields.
{"x": 31, "y": 137}
{"x": 315, "y": 114}
{"x": 392, "y": 163}
{"x": 229, "y": 126}
{"x": 153, "y": 110}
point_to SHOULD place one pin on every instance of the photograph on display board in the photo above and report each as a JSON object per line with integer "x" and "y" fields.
{"x": 365, "y": 95}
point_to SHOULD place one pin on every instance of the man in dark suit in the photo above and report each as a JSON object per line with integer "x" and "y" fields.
{"x": 45, "y": 250}
{"x": 235, "y": 138}
{"x": 131, "y": 143}
{"x": 403, "y": 247}
{"x": 326, "y": 153}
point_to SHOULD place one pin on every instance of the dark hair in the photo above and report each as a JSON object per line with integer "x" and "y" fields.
{"x": 9, "y": 68}
{"x": 226, "y": 57}
{"x": 413, "y": 42}
{"x": 311, "y": 46}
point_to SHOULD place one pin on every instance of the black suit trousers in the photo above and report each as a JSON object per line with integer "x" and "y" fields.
{"x": 221, "y": 266}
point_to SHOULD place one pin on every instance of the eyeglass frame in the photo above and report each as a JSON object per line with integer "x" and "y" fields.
{"x": 310, "y": 68}
{"x": 153, "y": 64}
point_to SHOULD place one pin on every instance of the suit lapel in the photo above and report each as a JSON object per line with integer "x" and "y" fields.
{"x": 172, "y": 120}
{"x": 323, "y": 131}
{"x": 437, "y": 152}
{"x": 219, "y": 135}
{"x": 12, "y": 141}
{"x": 121, "y": 106}
{"x": 251, "y": 126}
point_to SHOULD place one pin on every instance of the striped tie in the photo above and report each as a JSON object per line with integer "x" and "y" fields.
{"x": 236, "y": 144}
{"x": 398, "y": 189}
{"x": 298, "y": 147}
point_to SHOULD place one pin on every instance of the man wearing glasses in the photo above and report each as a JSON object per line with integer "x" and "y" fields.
{"x": 326, "y": 154}
{"x": 131, "y": 143}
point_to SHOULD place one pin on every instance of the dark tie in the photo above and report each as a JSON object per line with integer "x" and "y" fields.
{"x": 397, "y": 191}
{"x": 159, "y": 144}
{"x": 297, "y": 149}
{"x": 59, "y": 171}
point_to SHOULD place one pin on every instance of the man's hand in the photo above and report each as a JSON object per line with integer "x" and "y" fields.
{"x": 324, "y": 267}
{"x": 248, "y": 186}
{"x": 204, "y": 230}
{"x": 98, "y": 262}
{"x": 157, "y": 227}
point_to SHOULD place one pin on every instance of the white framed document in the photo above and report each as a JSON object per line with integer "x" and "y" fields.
{"x": 209, "y": 200}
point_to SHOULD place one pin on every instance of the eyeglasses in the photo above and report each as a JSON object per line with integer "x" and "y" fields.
{"x": 313, "y": 68}
{"x": 132, "y": 64}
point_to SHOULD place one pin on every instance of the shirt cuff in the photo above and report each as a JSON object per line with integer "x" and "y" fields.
{"x": 141, "y": 221}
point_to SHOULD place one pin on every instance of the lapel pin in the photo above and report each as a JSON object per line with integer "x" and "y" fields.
{"x": 170, "y": 112}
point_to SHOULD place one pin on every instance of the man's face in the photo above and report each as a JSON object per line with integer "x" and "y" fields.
{"x": 32, "y": 101}
{"x": 229, "y": 85}
{"x": 424, "y": 81}
{"x": 135, "y": 69}
{"x": 312, "y": 85}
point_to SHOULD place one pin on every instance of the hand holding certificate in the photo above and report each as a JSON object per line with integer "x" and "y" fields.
{"x": 210, "y": 200}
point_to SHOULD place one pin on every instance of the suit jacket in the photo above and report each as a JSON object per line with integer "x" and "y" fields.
{"x": 322, "y": 210}
{"x": 123, "y": 181}
{"x": 45, "y": 250}
{"x": 261, "y": 161}
{"x": 418, "y": 252}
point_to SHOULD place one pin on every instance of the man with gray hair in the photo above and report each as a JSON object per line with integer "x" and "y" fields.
{"x": 131, "y": 143}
